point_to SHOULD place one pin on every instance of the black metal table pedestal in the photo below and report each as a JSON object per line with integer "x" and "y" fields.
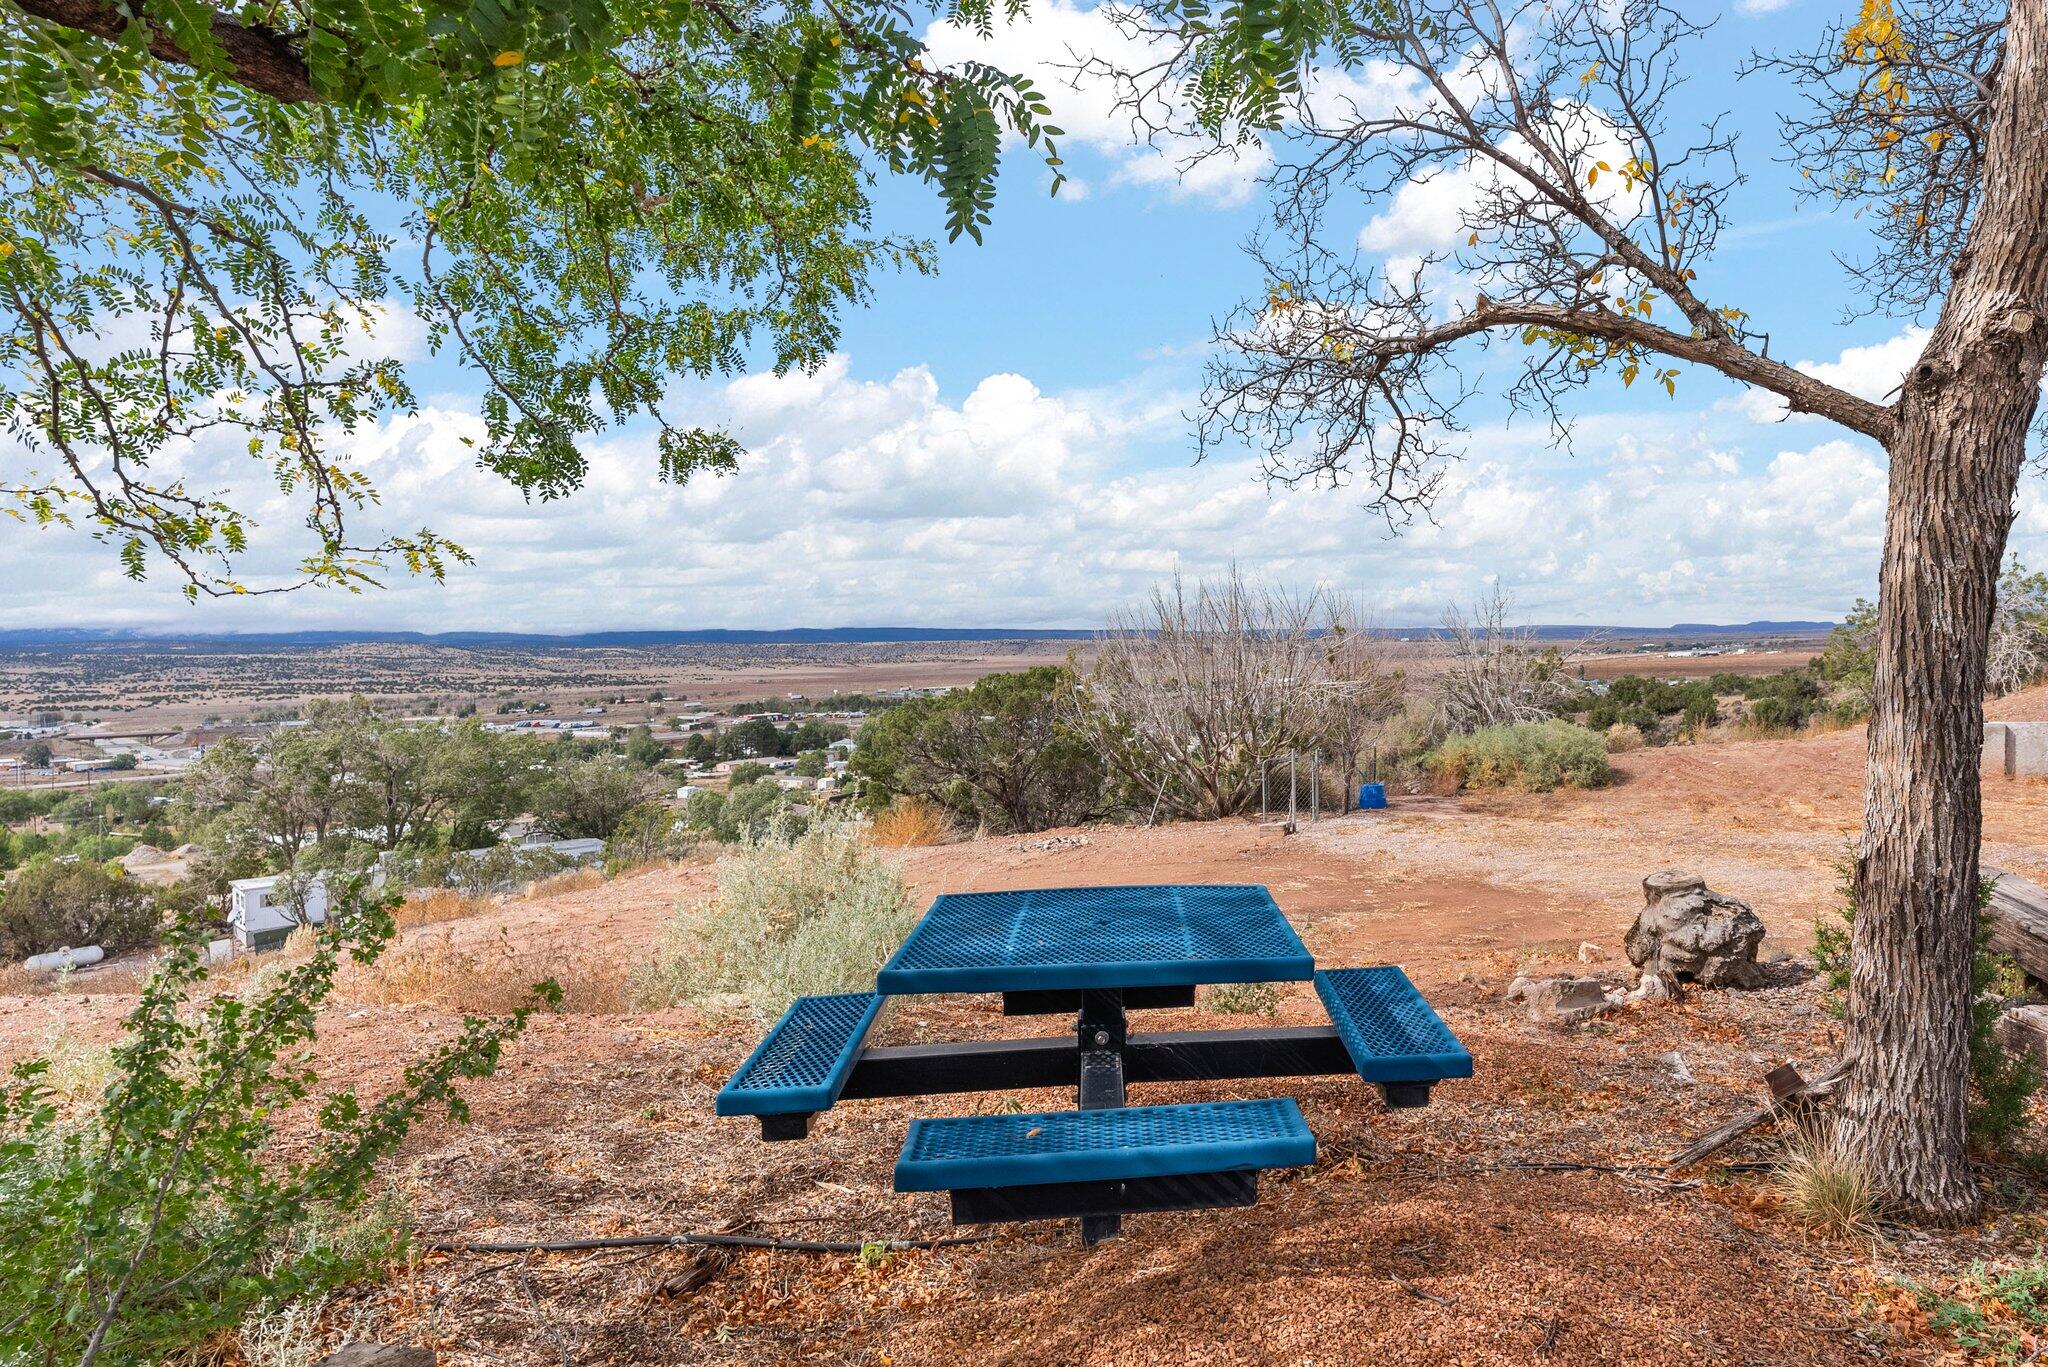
{"x": 1102, "y": 1029}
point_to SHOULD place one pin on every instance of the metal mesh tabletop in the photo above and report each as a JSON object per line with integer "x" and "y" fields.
{"x": 1155, "y": 935}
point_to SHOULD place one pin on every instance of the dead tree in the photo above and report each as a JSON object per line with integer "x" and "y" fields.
{"x": 1494, "y": 673}
{"x": 1190, "y": 697}
{"x": 1586, "y": 248}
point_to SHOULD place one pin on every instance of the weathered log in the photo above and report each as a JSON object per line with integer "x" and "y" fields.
{"x": 1790, "y": 1095}
{"x": 2024, "y": 1030}
{"x": 2018, "y": 912}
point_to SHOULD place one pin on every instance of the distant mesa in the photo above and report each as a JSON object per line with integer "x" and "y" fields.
{"x": 74, "y": 638}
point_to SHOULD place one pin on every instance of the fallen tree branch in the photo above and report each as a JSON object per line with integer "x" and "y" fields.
{"x": 1789, "y": 1092}
{"x": 703, "y": 1241}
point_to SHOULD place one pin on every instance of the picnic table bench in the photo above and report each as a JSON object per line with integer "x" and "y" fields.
{"x": 1099, "y": 953}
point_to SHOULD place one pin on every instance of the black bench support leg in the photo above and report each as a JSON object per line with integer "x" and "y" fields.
{"x": 1403, "y": 1096}
{"x": 796, "y": 1126}
{"x": 1102, "y": 1028}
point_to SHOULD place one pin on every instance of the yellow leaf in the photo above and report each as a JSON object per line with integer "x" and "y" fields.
{"x": 6, "y": 250}
{"x": 1471, "y": 241}
{"x": 508, "y": 59}
{"x": 1592, "y": 175}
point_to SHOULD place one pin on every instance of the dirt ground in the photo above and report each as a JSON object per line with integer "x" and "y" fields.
{"x": 1523, "y": 1217}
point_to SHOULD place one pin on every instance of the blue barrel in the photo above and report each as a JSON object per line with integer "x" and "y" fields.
{"x": 1372, "y": 796}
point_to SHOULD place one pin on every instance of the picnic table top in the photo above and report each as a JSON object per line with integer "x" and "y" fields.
{"x": 1153, "y": 935}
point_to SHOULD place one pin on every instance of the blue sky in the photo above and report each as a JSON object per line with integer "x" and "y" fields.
{"x": 1005, "y": 442}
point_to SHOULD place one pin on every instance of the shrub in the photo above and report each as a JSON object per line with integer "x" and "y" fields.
{"x": 911, "y": 821}
{"x": 2002, "y": 1081}
{"x": 1623, "y": 737}
{"x": 793, "y": 918}
{"x": 1779, "y": 714}
{"x": 49, "y": 906}
{"x": 165, "y": 1216}
{"x": 1531, "y": 756}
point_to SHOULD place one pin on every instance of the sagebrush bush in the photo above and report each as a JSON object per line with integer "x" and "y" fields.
{"x": 790, "y": 918}
{"x": 1532, "y": 757}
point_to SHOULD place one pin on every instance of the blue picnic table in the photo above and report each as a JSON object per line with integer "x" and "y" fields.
{"x": 1098, "y": 953}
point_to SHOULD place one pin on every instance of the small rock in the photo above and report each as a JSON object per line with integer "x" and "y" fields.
{"x": 1655, "y": 987}
{"x": 1688, "y": 932}
{"x": 1562, "y": 1001}
{"x": 378, "y": 1355}
{"x": 1590, "y": 953}
{"x": 1678, "y": 1069}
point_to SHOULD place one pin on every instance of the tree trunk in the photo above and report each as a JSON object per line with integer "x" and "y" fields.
{"x": 1956, "y": 453}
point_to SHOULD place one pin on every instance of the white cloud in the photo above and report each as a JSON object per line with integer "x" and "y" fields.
{"x": 866, "y": 501}
{"x": 1752, "y": 8}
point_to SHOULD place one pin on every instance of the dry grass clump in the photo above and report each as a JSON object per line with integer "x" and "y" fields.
{"x": 911, "y": 821}
{"x": 443, "y": 904}
{"x": 495, "y": 977}
{"x": 571, "y": 880}
{"x": 1823, "y": 1188}
{"x": 16, "y": 981}
{"x": 1623, "y": 737}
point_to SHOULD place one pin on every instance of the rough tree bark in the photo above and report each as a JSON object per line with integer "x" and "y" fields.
{"x": 1956, "y": 451}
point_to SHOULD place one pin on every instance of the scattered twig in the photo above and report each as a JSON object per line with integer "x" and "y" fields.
{"x": 702, "y": 1241}
{"x": 540, "y": 1317}
{"x": 1419, "y": 1293}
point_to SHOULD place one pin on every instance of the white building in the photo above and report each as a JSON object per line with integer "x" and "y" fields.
{"x": 261, "y": 917}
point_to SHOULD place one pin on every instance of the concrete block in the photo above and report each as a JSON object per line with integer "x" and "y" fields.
{"x": 2027, "y": 750}
{"x": 1997, "y": 749}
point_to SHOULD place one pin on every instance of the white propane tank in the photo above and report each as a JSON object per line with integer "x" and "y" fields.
{"x": 57, "y": 960}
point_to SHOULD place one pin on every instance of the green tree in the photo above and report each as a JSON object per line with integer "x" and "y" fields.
{"x": 36, "y": 755}
{"x": 998, "y": 752}
{"x": 811, "y": 764}
{"x": 581, "y": 202}
{"x": 643, "y": 749}
{"x": 50, "y": 905}
{"x": 589, "y": 797}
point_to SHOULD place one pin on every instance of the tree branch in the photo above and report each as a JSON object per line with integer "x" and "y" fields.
{"x": 261, "y": 59}
{"x": 1803, "y": 392}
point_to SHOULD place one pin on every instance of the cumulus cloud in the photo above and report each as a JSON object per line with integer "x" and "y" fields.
{"x": 883, "y": 500}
